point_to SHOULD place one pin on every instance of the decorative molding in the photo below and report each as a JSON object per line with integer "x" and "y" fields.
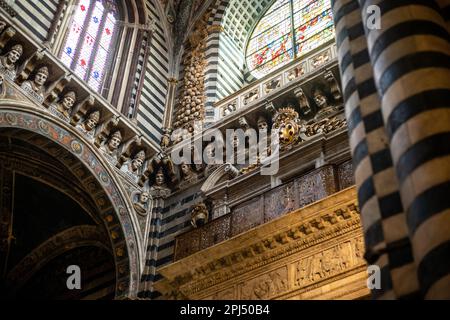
{"x": 115, "y": 213}
{"x": 327, "y": 227}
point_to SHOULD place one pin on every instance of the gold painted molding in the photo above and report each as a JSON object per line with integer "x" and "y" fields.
{"x": 312, "y": 253}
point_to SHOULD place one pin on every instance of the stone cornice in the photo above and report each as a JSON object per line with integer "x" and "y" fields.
{"x": 321, "y": 221}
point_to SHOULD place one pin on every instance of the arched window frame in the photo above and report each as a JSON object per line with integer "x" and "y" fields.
{"x": 292, "y": 34}
{"x": 110, "y": 7}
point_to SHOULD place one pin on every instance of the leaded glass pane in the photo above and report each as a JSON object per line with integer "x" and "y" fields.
{"x": 313, "y": 32}
{"x": 269, "y": 35}
{"x": 274, "y": 54}
{"x": 272, "y": 18}
{"x": 70, "y": 47}
{"x": 270, "y": 44}
{"x": 90, "y": 40}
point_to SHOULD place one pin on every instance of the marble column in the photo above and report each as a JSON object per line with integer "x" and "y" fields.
{"x": 383, "y": 217}
{"x": 410, "y": 58}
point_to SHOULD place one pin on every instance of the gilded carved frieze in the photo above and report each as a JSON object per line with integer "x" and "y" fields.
{"x": 266, "y": 286}
{"x": 302, "y": 250}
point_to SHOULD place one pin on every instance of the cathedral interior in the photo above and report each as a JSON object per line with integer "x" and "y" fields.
{"x": 225, "y": 149}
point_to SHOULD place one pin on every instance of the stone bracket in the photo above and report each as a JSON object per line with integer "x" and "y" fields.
{"x": 80, "y": 110}
{"x": 105, "y": 129}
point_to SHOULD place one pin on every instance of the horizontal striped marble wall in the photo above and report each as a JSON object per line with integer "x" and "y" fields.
{"x": 226, "y": 71}
{"x": 169, "y": 220}
{"x": 152, "y": 97}
{"x": 212, "y": 57}
{"x": 230, "y": 75}
{"x": 139, "y": 73}
{"x": 36, "y": 16}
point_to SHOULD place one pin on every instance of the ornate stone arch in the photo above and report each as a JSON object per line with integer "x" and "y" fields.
{"x": 227, "y": 171}
{"x": 118, "y": 207}
{"x": 64, "y": 241}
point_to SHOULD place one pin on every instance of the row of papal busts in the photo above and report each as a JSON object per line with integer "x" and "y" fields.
{"x": 35, "y": 88}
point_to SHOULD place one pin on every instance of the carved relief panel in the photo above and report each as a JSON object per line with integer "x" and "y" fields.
{"x": 218, "y": 231}
{"x": 265, "y": 286}
{"x": 247, "y": 216}
{"x": 279, "y": 201}
{"x": 187, "y": 244}
{"x": 328, "y": 263}
{"x": 315, "y": 186}
{"x": 346, "y": 175}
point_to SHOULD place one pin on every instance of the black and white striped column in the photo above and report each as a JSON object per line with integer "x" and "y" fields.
{"x": 383, "y": 218}
{"x": 410, "y": 57}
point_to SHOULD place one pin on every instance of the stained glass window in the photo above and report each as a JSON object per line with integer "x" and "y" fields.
{"x": 288, "y": 30}
{"x": 90, "y": 40}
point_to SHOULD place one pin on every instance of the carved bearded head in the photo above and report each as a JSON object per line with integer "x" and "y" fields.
{"x": 92, "y": 120}
{"x": 159, "y": 178}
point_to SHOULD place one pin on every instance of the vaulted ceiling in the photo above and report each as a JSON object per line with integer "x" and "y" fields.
{"x": 241, "y": 16}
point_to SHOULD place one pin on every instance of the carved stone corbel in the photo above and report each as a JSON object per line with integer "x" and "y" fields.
{"x": 151, "y": 168}
{"x": 105, "y": 129}
{"x": 270, "y": 107}
{"x": 170, "y": 169}
{"x": 6, "y": 35}
{"x": 199, "y": 215}
{"x": 244, "y": 123}
{"x": 127, "y": 149}
{"x": 302, "y": 101}
{"x": 55, "y": 90}
{"x": 81, "y": 109}
{"x": 28, "y": 66}
{"x": 232, "y": 171}
{"x": 148, "y": 171}
{"x": 334, "y": 86}
{"x": 160, "y": 161}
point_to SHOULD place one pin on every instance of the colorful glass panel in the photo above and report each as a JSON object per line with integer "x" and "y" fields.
{"x": 87, "y": 46}
{"x": 76, "y": 27}
{"x": 99, "y": 64}
{"x": 90, "y": 40}
{"x": 270, "y": 45}
{"x": 272, "y": 55}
